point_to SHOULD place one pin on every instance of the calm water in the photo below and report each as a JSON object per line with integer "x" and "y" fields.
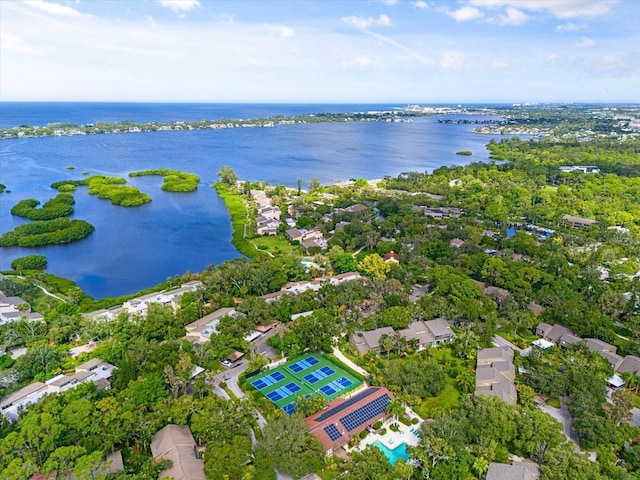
{"x": 135, "y": 248}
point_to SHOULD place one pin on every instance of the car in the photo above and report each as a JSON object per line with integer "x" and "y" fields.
{"x": 225, "y": 363}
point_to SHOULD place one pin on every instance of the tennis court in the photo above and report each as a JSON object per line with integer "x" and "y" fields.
{"x": 304, "y": 376}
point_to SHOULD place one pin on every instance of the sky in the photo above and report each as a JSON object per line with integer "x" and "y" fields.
{"x": 320, "y": 51}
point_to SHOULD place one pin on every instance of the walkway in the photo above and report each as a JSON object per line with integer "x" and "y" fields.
{"x": 499, "y": 341}
{"x": 342, "y": 357}
{"x": 564, "y": 417}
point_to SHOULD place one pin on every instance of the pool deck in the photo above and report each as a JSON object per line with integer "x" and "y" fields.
{"x": 391, "y": 439}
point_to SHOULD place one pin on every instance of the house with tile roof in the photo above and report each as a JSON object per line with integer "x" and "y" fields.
{"x": 176, "y": 443}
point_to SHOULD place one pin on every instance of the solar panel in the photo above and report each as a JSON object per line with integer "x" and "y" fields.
{"x": 311, "y": 360}
{"x": 327, "y": 390}
{"x": 327, "y": 371}
{"x": 333, "y": 432}
{"x": 292, "y": 387}
{"x": 365, "y": 413}
{"x": 353, "y": 400}
{"x": 259, "y": 384}
{"x": 274, "y": 396}
{"x": 277, "y": 376}
{"x": 295, "y": 368}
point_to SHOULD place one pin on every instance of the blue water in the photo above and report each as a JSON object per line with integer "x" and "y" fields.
{"x": 136, "y": 248}
{"x": 393, "y": 455}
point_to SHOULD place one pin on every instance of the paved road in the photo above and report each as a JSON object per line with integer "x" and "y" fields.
{"x": 564, "y": 417}
{"x": 261, "y": 346}
{"x": 347, "y": 361}
{"x": 230, "y": 377}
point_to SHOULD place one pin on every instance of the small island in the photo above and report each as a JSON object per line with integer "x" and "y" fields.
{"x": 174, "y": 180}
{"x": 60, "y": 206}
{"x": 464, "y": 152}
{"x": 46, "y": 232}
{"x": 108, "y": 188}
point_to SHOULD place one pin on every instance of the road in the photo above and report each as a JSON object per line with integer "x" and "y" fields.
{"x": 564, "y": 417}
{"x": 230, "y": 377}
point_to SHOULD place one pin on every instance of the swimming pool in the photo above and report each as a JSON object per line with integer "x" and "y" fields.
{"x": 393, "y": 455}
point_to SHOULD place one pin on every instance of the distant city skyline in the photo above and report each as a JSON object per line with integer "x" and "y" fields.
{"x": 319, "y": 51}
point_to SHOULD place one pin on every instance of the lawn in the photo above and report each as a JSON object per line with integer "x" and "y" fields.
{"x": 448, "y": 398}
{"x": 276, "y": 244}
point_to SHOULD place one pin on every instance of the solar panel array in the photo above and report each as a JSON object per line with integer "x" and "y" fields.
{"x": 333, "y": 432}
{"x": 353, "y": 400}
{"x": 366, "y": 413}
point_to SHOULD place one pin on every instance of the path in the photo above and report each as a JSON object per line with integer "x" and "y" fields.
{"x": 564, "y": 417}
{"x": 244, "y": 233}
{"x": 341, "y": 356}
{"x": 230, "y": 377}
{"x": 499, "y": 341}
{"x": 44, "y": 290}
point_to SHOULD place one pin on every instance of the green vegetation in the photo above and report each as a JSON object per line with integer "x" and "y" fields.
{"x": 109, "y": 188}
{"x": 2, "y": 188}
{"x": 464, "y": 152}
{"x": 30, "y": 262}
{"x": 46, "y": 232}
{"x": 60, "y": 206}
{"x": 174, "y": 180}
{"x": 238, "y": 213}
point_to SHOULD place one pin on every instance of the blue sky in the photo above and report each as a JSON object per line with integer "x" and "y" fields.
{"x": 320, "y": 51}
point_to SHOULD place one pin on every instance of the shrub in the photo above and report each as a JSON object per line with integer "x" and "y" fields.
{"x": 377, "y": 425}
{"x": 46, "y": 232}
{"x": 415, "y": 421}
{"x": 364, "y": 433}
{"x": 394, "y": 427}
{"x": 382, "y": 432}
{"x": 405, "y": 420}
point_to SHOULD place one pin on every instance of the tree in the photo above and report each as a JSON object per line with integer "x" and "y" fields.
{"x": 374, "y": 266}
{"x": 227, "y": 175}
{"x": 229, "y": 461}
{"x": 344, "y": 262}
{"x": 314, "y": 184}
{"x": 287, "y": 440}
{"x": 396, "y": 409}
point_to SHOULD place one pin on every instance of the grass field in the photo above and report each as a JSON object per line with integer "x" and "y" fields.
{"x": 305, "y": 375}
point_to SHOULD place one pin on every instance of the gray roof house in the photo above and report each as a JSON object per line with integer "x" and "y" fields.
{"x": 630, "y": 364}
{"x": 517, "y": 471}
{"x": 495, "y": 374}
{"x": 552, "y": 333}
{"x": 176, "y": 443}
{"x": 364, "y": 342}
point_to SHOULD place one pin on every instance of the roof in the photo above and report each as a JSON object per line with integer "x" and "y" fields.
{"x": 517, "y": 471}
{"x": 535, "y": 308}
{"x": 631, "y": 364}
{"x": 90, "y": 365}
{"x": 490, "y": 355}
{"x": 555, "y": 332}
{"x": 343, "y": 419}
{"x": 176, "y": 443}
{"x": 439, "y": 327}
{"x": 22, "y": 393}
{"x": 598, "y": 346}
{"x": 221, "y": 312}
{"x": 615, "y": 381}
{"x": 543, "y": 344}
{"x": 579, "y": 220}
{"x": 569, "y": 339}
{"x": 372, "y": 337}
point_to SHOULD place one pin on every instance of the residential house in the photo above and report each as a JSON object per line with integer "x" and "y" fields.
{"x": 535, "y": 308}
{"x": 516, "y": 471}
{"x": 579, "y": 168}
{"x": 456, "y": 243}
{"x": 201, "y": 330}
{"x": 552, "y": 333}
{"x": 176, "y": 443}
{"x": 443, "y": 212}
{"x": 495, "y": 374}
{"x": 367, "y": 341}
{"x": 392, "y": 257}
{"x": 11, "y": 404}
{"x": 344, "y": 418}
{"x": 14, "y": 309}
{"x": 630, "y": 364}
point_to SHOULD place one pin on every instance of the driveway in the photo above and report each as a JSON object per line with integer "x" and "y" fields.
{"x": 261, "y": 346}
{"x": 564, "y": 417}
{"x": 230, "y": 377}
{"x": 635, "y": 417}
{"x": 499, "y": 341}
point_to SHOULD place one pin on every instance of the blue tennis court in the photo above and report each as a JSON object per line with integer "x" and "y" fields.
{"x": 267, "y": 380}
{"x": 319, "y": 374}
{"x": 335, "y": 386}
{"x": 303, "y": 364}
{"x": 289, "y": 408}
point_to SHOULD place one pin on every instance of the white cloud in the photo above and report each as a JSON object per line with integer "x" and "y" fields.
{"x": 180, "y": 5}
{"x": 585, "y": 42}
{"x": 558, "y": 8}
{"x": 553, "y": 57}
{"x": 283, "y": 31}
{"x": 13, "y": 42}
{"x": 368, "y": 22}
{"x": 361, "y": 62}
{"x": 390, "y": 2}
{"x": 53, "y": 8}
{"x": 499, "y": 64}
{"x": 512, "y": 16}
{"x": 452, "y": 60}
{"x": 570, "y": 27}
{"x": 466, "y": 14}
{"x": 420, "y": 4}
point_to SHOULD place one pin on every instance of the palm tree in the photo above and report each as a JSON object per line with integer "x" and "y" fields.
{"x": 387, "y": 343}
{"x": 396, "y": 409}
